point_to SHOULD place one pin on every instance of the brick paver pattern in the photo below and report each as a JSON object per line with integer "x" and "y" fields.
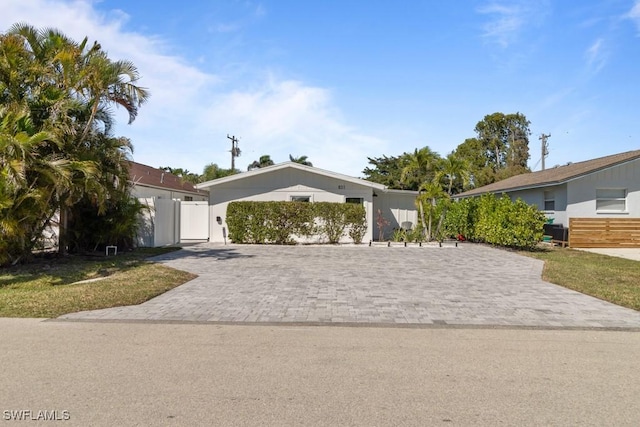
{"x": 429, "y": 285}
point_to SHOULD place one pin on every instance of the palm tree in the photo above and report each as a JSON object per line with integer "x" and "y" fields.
{"x": 302, "y": 160}
{"x": 420, "y": 168}
{"x": 263, "y": 162}
{"x": 213, "y": 171}
{"x": 429, "y": 193}
{"x": 68, "y": 89}
{"x": 453, "y": 168}
{"x": 27, "y": 183}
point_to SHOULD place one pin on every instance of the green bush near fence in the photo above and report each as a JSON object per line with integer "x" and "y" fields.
{"x": 280, "y": 222}
{"x": 495, "y": 220}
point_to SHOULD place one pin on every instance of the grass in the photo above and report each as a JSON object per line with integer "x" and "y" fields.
{"x": 47, "y": 287}
{"x": 612, "y": 279}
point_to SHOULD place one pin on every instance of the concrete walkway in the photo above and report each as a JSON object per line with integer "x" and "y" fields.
{"x": 628, "y": 253}
{"x": 468, "y": 285}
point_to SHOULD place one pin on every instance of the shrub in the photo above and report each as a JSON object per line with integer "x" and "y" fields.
{"x": 356, "y": 219}
{"x": 497, "y": 221}
{"x": 279, "y": 222}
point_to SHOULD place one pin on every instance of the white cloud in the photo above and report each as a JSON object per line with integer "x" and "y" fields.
{"x": 287, "y": 117}
{"x": 634, "y": 14}
{"x": 596, "y": 56}
{"x": 509, "y": 19}
{"x": 190, "y": 111}
{"x": 505, "y": 25}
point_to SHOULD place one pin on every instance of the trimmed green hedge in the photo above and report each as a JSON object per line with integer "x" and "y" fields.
{"x": 497, "y": 221}
{"x": 279, "y": 222}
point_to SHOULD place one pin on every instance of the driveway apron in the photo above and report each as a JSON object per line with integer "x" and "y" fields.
{"x": 430, "y": 285}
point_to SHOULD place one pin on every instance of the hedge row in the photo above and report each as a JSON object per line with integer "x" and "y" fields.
{"x": 281, "y": 222}
{"x": 495, "y": 220}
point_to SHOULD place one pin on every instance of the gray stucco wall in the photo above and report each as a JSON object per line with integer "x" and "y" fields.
{"x": 581, "y": 202}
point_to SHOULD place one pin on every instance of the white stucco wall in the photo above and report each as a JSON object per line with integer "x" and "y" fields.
{"x": 142, "y": 191}
{"x": 277, "y": 186}
{"x": 396, "y": 207}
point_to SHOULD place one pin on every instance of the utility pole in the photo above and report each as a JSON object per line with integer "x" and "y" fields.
{"x": 235, "y": 151}
{"x": 545, "y": 147}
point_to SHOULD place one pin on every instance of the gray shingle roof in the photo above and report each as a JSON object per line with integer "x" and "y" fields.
{"x": 553, "y": 176}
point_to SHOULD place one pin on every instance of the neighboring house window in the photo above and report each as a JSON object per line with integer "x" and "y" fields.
{"x": 355, "y": 200}
{"x": 188, "y": 199}
{"x": 611, "y": 199}
{"x": 549, "y": 201}
{"x": 300, "y": 198}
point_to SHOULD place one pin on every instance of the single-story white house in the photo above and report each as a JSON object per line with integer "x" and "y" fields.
{"x": 291, "y": 181}
{"x": 598, "y": 200}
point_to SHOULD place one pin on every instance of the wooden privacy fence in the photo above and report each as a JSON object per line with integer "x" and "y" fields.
{"x": 604, "y": 232}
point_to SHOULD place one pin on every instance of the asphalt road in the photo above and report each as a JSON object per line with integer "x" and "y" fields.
{"x": 156, "y": 374}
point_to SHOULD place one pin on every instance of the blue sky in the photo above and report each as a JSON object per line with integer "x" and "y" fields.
{"x": 340, "y": 81}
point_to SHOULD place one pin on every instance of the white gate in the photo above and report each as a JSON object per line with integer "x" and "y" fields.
{"x": 194, "y": 220}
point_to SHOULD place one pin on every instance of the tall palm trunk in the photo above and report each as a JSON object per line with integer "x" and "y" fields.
{"x": 422, "y": 221}
{"x": 63, "y": 230}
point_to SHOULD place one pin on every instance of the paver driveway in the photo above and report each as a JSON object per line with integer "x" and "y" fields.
{"x": 467, "y": 285}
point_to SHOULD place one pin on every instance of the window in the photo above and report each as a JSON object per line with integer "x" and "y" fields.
{"x": 300, "y": 198}
{"x": 611, "y": 199}
{"x": 188, "y": 199}
{"x": 549, "y": 201}
{"x": 354, "y": 200}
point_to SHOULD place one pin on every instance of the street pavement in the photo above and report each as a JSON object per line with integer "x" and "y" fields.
{"x": 428, "y": 286}
{"x": 185, "y": 374}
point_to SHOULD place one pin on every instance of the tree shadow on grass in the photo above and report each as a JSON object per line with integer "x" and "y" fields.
{"x": 43, "y": 272}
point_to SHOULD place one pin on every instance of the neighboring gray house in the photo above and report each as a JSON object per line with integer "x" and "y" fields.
{"x": 603, "y": 192}
{"x": 291, "y": 181}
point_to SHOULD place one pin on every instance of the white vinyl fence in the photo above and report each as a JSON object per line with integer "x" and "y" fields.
{"x": 194, "y": 220}
{"x": 169, "y": 221}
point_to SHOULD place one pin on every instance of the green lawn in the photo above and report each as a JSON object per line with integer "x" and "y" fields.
{"x": 48, "y": 288}
{"x": 612, "y": 279}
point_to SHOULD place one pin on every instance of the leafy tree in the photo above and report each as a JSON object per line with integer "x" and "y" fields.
{"x": 500, "y": 150}
{"x": 263, "y": 162}
{"x": 405, "y": 172}
{"x": 191, "y": 177}
{"x": 386, "y": 171}
{"x": 213, "y": 171}
{"x": 303, "y": 160}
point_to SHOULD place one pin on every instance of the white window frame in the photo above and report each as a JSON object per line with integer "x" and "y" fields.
{"x": 359, "y": 202}
{"x": 609, "y": 197}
